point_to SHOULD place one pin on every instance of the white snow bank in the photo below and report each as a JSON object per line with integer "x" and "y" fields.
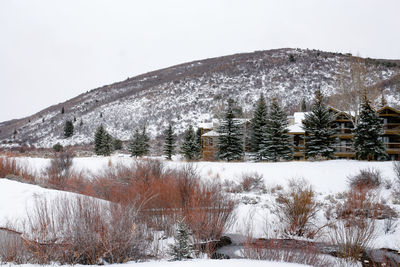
{"x": 18, "y": 199}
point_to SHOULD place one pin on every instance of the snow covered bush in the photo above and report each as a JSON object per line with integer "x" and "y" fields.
{"x": 285, "y": 251}
{"x": 251, "y": 181}
{"x": 367, "y": 178}
{"x": 59, "y": 170}
{"x": 297, "y": 208}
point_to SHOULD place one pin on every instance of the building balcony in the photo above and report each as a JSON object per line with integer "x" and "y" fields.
{"x": 392, "y": 147}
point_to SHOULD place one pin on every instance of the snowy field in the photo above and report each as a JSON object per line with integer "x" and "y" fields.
{"x": 198, "y": 263}
{"x": 254, "y": 213}
{"x": 326, "y": 176}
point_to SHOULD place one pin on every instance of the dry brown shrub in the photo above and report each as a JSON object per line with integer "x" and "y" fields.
{"x": 12, "y": 248}
{"x": 352, "y": 237}
{"x": 367, "y": 178}
{"x": 285, "y": 251}
{"x": 59, "y": 170}
{"x": 167, "y": 195}
{"x": 210, "y": 212}
{"x": 85, "y": 231}
{"x": 9, "y": 168}
{"x": 354, "y": 229}
{"x": 297, "y": 209}
{"x": 251, "y": 181}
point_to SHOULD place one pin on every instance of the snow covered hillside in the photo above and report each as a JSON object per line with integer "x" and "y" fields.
{"x": 194, "y": 92}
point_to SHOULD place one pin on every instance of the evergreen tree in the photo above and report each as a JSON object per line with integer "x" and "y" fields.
{"x": 276, "y": 145}
{"x": 189, "y": 146}
{"x": 107, "y": 144}
{"x": 145, "y": 145}
{"x": 98, "y": 139}
{"x": 62, "y": 110}
{"x": 230, "y": 139}
{"x": 258, "y": 125}
{"x": 181, "y": 248}
{"x": 318, "y": 130}
{"x": 117, "y": 144}
{"x": 368, "y": 134}
{"x": 139, "y": 145}
{"x": 102, "y": 142}
{"x": 68, "y": 129}
{"x": 169, "y": 143}
{"x": 135, "y": 146}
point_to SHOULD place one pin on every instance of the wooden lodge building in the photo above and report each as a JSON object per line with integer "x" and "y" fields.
{"x": 343, "y": 123}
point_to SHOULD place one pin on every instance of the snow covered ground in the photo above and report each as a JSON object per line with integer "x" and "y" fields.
{"x": 200, "y": 263}
{"x": 254, "y": 213}
{"x": 326, "y": 176}
{"x": 18, "y": 199}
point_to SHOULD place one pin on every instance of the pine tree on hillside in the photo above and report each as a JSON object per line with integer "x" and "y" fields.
{"x": 68, "y": 129}
{"x": 368, "y": 134}
{"x": 276, "y": 144}
{"x": 181, "y": 248}
{"x": 62, "y": 110}
{"x": 258, "y": 124}
{"x": 189, "y": 146}
{"x": 230, "y": 139}
{"x": 319, "y": 132}
{"x": 169, "y": 143}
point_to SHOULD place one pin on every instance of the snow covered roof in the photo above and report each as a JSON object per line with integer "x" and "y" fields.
{"x": 206, "y": 125}
{"x": 296, "y": 127}
{"x": 211, "y": 134}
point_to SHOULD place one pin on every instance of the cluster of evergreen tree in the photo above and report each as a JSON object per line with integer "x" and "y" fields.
{"x": 102, "y": 142}
{"x": 269, "y": 133}
{"x": 139, "y": 144}
{"x": 268, "y": 138}
{"x": 319, "y": 131}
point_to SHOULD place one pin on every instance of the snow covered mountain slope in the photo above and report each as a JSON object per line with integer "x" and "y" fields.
{"x": 193, "y": 92}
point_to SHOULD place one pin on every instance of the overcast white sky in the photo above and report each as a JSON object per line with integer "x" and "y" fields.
{"x": 53, "y": 50}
